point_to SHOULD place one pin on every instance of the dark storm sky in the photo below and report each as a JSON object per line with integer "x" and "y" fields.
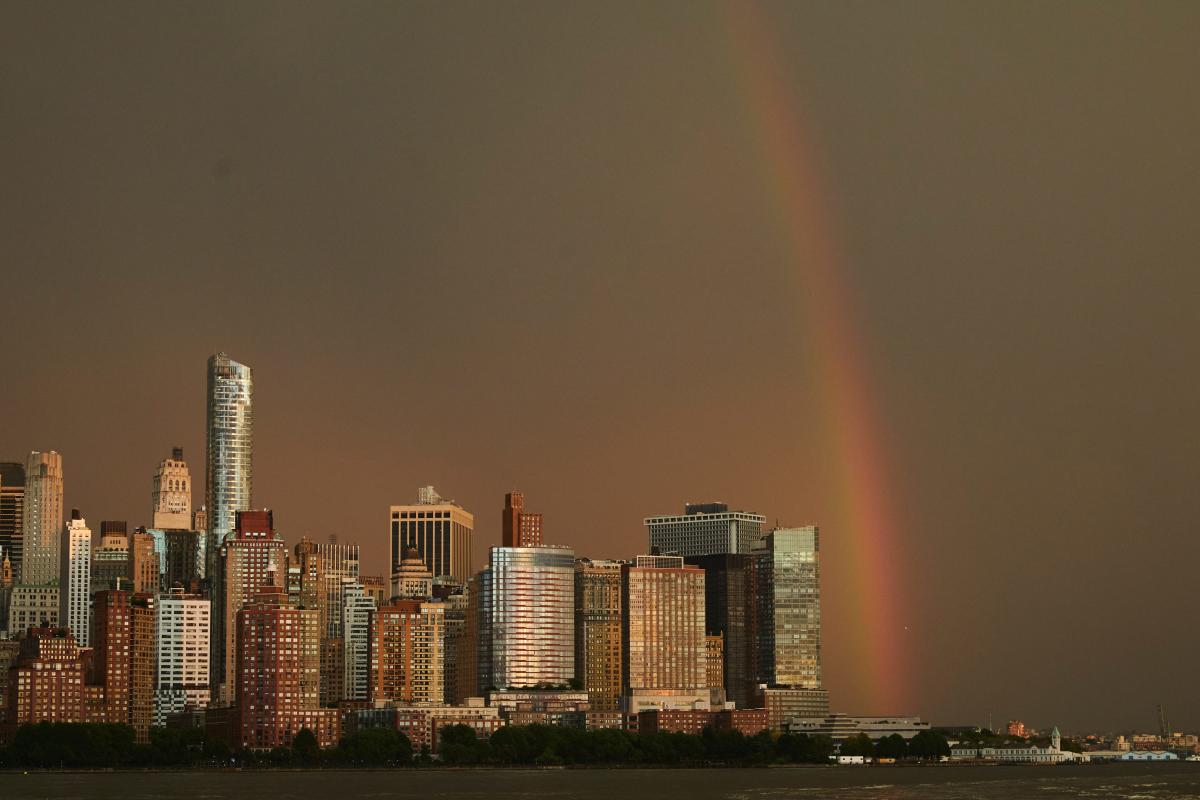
{"x": 498, "y": 245}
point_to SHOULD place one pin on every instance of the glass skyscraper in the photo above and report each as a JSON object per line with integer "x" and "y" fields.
{"x": 788, "y": 608}
{"x": 229, "y": 469}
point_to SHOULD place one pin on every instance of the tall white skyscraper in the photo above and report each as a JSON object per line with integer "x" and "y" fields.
{"x": 75, "y": 582}
{"x": 42, "y": 518}
{"x": 357, "y": 607}
{"x": 184, "y": 628}
{"x": 229, "y": 469}
{"x": 171, "y": 499}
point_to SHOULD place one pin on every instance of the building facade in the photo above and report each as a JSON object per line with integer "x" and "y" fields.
{"x": 407, "y": 651}
{"x": 182, "y": 654}
{"x": 125, "y": 640}
{"x": 357, "y": 608}
{"x": 32, "y": 607}
{"x": 728, "y": 612}
{"x": 41, "y": 518}
{"x": 518, "y": 527}
{"x": 229, "y": 462}
{"x": 12, "y": 506}
{"x": 75, "y": 579}
{"x": 787, "y": 618}
{"x": 704, "y": 529}
{"x": 662, "y": 624}
{"x": 527, "y": 619}
{"x": 598, "y": 632}
{"x": 171, "y": 498}
{"x": 439, "y": 530}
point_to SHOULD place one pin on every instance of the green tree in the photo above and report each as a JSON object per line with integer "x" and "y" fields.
{"x": 859, "y": 745}
{"x": 892, "y": 746}
{"x": 458, "y": 744}
{"x": 928, "y": 745}
{"x": 306, "y": 747}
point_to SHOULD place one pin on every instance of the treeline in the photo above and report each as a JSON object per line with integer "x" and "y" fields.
{"x": 63, "y": 745}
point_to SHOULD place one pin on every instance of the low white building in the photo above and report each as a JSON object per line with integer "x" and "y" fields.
{"x": 1019, "y": 754}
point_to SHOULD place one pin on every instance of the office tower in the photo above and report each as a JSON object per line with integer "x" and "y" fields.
{"x": 376, "y": 587}
{"x": 598, "y": 632}
{"x": 519, "y": 528}
{"x": 32, "y": 607}
{"x": 12, "y": 504}
{"x": 229, "y": 469}
{"x": 728, "y": 608}
{"x": 662, "y": 623}
{"x": 407, "y": 651}
{"x": 323, "y": 569}
{"x": 125, "y": 637}
{"x": 357, "y": 608}
{"x": 527, "y": 631}
{"x": 439, "y": 530}
{"x": 704, "y": 529}
{"x": 144, "y": 562}
{"x": 252, "y": 557}
{"x": 42, "y": 518}
{"x": 171, "y": 499}
{"x": 787, "y": 613}
{"x": 182, "y": 654}
{"x": 278, "y": 661}
{"x": 75, "y": 581}
{"x": 110, "y": 561}
{"x": 411, "y": 579}
{"x": 45, "y": 684}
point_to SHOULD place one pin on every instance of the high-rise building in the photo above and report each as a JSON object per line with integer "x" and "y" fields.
{"x": 704, "y": 529}
{"x": 32, "y": 607}
{"x": 45, "y": 684}
{"x": 527, "y": 622}
{"x": 110, "y": 561}
{"x": 42, "y": 518}
{"x": 728, "y": 609}
{"x": 357, "y": 608}
{"x": 662, "y": 623}
{"x": 458, "y": 665}
{"x": 787, "y": 613}
{"x": 75, "y": 581}
{"x": 598, "y": 632}
{"x": 714, "y": 648}
{"x": 407, "y": 651}
{"x": 278, "y": 661}
{"x": 171, "y": 499}
{"x": 125, "y": 635}
{"x": 184, "y": 627}
{"x": 182, "y": 558}
{"x": 229, "y": 468}
{"x": 519, "y": 528}
{"x": 322, "y": 569}
{"x": 145, "y": 564}
{"x": 438, "y": 529}
{"x": 254, "y": 556}
{"x": 12, "y": 504}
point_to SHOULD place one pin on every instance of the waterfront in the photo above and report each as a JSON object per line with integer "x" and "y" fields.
{"x": 1117, "y": 781}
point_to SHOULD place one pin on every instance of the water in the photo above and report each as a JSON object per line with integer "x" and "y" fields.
{"x": 1100, "y": 782}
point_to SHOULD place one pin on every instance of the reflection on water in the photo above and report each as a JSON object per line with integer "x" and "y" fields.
{"x": 1179, "y": 781}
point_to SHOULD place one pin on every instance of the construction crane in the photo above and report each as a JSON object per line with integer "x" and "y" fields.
{"x": 1164, "y": 731}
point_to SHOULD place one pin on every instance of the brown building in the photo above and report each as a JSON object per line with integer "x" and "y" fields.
{"x": 747, "y": 721}
{"x": 322, "y": 567}
{"x": 407, "y": 652}
{"x": 45, "y": 683}
{"x": 376, "y": 587}
{"x": 714, "y": 661}
{"x": 662, "y": 624}
{"x": 278, "y": 664}
{"x": 143, "y": 562}
{"x": 124, "y": 629}
{"x": 519, "y": 528}
{"x": 783, "y": 704}
{"x": 182, "y": 558}
{"x": 673, "y": 721}
{"x": 598, "y": 632}
{"x": 252, "y": 557}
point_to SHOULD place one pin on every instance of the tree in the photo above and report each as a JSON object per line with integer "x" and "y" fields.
{"x": 457, "y": 744}
{"x": 306, "y": 747}
{"x": 860, "y": 745}
{"x": 892, "y": 746}
{"x": 928, "y": 745}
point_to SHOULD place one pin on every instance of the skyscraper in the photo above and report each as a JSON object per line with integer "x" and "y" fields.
{"x": 407, "y": 652}
{"x": 598, "y": 632}
{"x": 357, "y": 609}
{"x": 323, "y": 569}
{"x": 12, "y": 504}
{"x": 145, "y": 562}
{"x": 438, "y": 529}
{"x": 124, "y": 637}
{"x": 229, "y": 470}
{"x": 171, "y": 499}
{"x": 527, "y": 619}
{"x": 184, "y": 628}
{"x": 728, "y": 608}
{"x": 787, "y": 614}
{"x": 75, "y": 579}
{"x": 704, "y": 529}
{"x": 519, "y": 528}
{"x": 664, "y": 661}
{"x": 253, "y": 556}
{"x": 42, "y": 518}
{"x": 110, "y": 561}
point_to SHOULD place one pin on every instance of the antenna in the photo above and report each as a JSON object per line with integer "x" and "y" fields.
{"x": 1164, "y": 731}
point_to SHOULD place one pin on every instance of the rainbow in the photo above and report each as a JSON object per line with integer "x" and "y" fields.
{"x": 863, "y": 511}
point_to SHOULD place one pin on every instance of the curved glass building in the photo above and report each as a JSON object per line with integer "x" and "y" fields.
{"x": 229, "y": 468}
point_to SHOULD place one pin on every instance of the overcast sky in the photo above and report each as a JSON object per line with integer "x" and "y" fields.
{"x": 496, "y": 246}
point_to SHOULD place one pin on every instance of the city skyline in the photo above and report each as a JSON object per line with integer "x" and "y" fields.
{"x": 935, "y": 300}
